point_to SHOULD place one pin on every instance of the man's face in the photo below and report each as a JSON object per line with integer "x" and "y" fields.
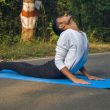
{"x": 64, "y": 21}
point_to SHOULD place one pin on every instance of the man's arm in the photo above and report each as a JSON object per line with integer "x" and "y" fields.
{"x": 69, "y": 75}
{"x": 84, "y": 71}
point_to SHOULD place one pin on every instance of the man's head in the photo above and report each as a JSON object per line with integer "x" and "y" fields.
{"x": 62, "y": 23}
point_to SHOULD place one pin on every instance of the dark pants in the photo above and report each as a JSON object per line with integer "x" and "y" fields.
{"x": 47, "y": 70}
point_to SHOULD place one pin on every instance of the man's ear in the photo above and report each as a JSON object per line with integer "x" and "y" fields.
{"x": 61, "y": 26}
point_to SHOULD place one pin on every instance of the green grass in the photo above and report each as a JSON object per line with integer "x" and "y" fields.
{"x": 27, "y": 50}
{"x": 99, "y": 47}
{"x": 40, "y": 49}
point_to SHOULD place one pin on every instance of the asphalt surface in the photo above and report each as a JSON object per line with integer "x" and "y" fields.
{"x": 24, "y": 95}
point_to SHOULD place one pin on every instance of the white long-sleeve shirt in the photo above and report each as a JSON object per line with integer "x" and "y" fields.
{"x": 71, "y": 50}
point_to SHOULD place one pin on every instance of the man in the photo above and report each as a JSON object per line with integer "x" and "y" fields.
{"x": 71, "y": 55}
{"x": 72, "y": 49}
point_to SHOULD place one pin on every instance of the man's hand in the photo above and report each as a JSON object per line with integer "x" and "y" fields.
{"x": 84, "y": 71}
{"x": 69, "y": 75}
{"x": 94, "y": 78}
{"x": 80, "y": 81}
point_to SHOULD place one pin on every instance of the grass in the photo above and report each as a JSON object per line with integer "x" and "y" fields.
{"x": 99, "y": 47}
{"x": 27, "y": 50}
{"x": 40, "y": 49}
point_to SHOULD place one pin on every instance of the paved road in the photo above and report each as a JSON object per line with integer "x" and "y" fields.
{"x": 23, "y": 95}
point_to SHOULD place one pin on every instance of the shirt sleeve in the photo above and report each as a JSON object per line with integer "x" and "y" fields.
{"x": 61, "y": 50}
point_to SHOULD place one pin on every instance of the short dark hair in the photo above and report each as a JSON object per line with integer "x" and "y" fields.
{"x": 56, "y": 30}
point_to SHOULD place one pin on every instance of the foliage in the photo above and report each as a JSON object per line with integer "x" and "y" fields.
{"x": 92, "y": 16}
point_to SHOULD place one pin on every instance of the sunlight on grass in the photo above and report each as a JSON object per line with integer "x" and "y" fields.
{"x": 40, "y": 49}
{"x": 98, "y": 47}
{"x": 27, "y": 50}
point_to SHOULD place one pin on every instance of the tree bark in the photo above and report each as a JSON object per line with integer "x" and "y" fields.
{"x": 29, "y": 17}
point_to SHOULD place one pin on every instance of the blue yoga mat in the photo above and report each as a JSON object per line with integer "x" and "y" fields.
{"x": 94, "y": 84}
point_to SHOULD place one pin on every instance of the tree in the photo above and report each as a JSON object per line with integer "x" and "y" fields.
{"x": 29, "y": 17}
{"x": 92, "y": 16}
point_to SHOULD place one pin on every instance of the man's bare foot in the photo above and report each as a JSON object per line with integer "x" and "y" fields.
{"x": 1, "y": 60}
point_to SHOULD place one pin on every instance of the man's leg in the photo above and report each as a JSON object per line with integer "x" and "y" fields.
{"x": 20, "y": 67}
{"x": 47, "y": 70}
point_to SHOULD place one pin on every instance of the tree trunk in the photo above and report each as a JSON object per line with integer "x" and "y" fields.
{"x": 29, "y": 17}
